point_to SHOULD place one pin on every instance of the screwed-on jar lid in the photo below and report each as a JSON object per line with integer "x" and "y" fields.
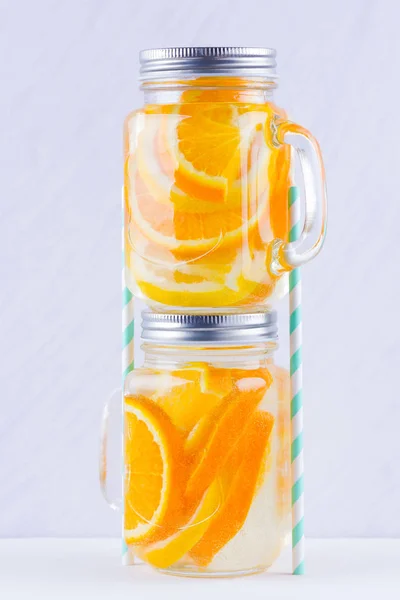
{"x": 218, "y": 329}
{"x": 167, "y": 63}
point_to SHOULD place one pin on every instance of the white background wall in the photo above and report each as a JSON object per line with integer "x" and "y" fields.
{"x": 68, "y": 79}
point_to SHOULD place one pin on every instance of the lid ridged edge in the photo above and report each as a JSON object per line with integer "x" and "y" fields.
{"x": 173, "y": 328}
{"x": 158, "y": 63}
{"x": 204, "y": 52}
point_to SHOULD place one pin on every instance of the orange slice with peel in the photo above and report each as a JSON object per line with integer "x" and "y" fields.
{"x": 183, "y": 223}
{"x": 154, "y": 473}
{"x": 196, "y": 392}
{"x": 224, "y": 89}
{"x": 166, "y": 139}
{"x": 217, "y": 379}
{"x": 219, "y": 282}
{"x": 165, "y": 553}
{"x": 158, "y": 166}
{"x": 202, "y": 252}
{"x": 230, "y": 518}
{"x": 228, "y": 382}
{"x": 279, "y": 176}
{"x": 191, "y": 234}
{"x": 199, "y": 295}
{"x": 213, "y": 150}
{"x": 194, "y": 284}
{"x": 215, "y": 436}
{"x": 206, "y": 141}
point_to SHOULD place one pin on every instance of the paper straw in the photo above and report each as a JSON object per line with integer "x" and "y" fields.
{"x": 127, "y": 332}
{"x": 127, "y": 353}
{"x": 127, "y": 312}
{"x": 296, "y": 403}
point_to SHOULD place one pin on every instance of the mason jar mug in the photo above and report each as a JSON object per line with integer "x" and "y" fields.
{"x": 207, "y": 178}
{"x": 207, "y": 446}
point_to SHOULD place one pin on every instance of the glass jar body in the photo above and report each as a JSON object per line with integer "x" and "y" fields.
{"x": 206, "y": 195}
{"x": 207, "y": 460}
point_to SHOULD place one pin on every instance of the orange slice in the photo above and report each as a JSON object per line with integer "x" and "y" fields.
{"x": 154, "y": 474}
{"x": 165, "y": 553}
{"x": 158, "y": 166}
{"x": 213, "y": 146}
{"x": 200, "y": 295}
{"x": 224, "y": 89}
{"x": 230, "y": 518}
{"x": 194, "y": 284}
{"x": 228, "y": 382}
{"x": 201, "y": 251}
{"x": 192, "y": 234}
{"x": 279, "y": 176}
{"x": 215, "y": 436}
{"x": 207, "y": 145}
{"x": 165, "y": 140}
{"x": 217, "y": 379}
{"x": 187, "y": 224}
{"x": 194, "y": 392}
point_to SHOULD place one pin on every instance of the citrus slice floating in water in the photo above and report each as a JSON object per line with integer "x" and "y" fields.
{"x": 190, "y": 234}
{"x": 167, "y": 552}
{"x": 215, "y": 436}
{"x": 241, "y": 489}
{"x": 154, "y": 474}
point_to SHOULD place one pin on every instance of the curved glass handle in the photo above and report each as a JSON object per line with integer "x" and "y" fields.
{"x": 312, "y": 234}
{"x": 114, "y": 402}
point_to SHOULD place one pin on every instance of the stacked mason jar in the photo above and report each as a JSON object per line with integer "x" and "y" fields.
{"x": 208, "y": 170}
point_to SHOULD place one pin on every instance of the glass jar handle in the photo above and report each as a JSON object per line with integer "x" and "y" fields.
{"x": 110, "y": 405}
{"x": 294, "y": 254}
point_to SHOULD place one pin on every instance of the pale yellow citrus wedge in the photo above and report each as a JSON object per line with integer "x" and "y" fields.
{"x": 205, "y": 287}
{"x": 162, "y": 285}
{"x": 194, "y": 392}
{"x": 187, "y": 400}
{"x": 165, "y": 553}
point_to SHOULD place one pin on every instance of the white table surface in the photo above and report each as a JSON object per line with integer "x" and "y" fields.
{"x": 91, "y": 568}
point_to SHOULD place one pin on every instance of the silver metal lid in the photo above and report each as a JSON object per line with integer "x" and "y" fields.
{"x": 165, "y": 63}
{"x": 211, "y": 330}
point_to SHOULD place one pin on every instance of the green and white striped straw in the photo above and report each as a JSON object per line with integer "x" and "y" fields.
{"x": 127, "y": 312}
{"x": 127, "y": 352}
{"x": 127, "y": 331}
{"x": 296, "y": 404}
